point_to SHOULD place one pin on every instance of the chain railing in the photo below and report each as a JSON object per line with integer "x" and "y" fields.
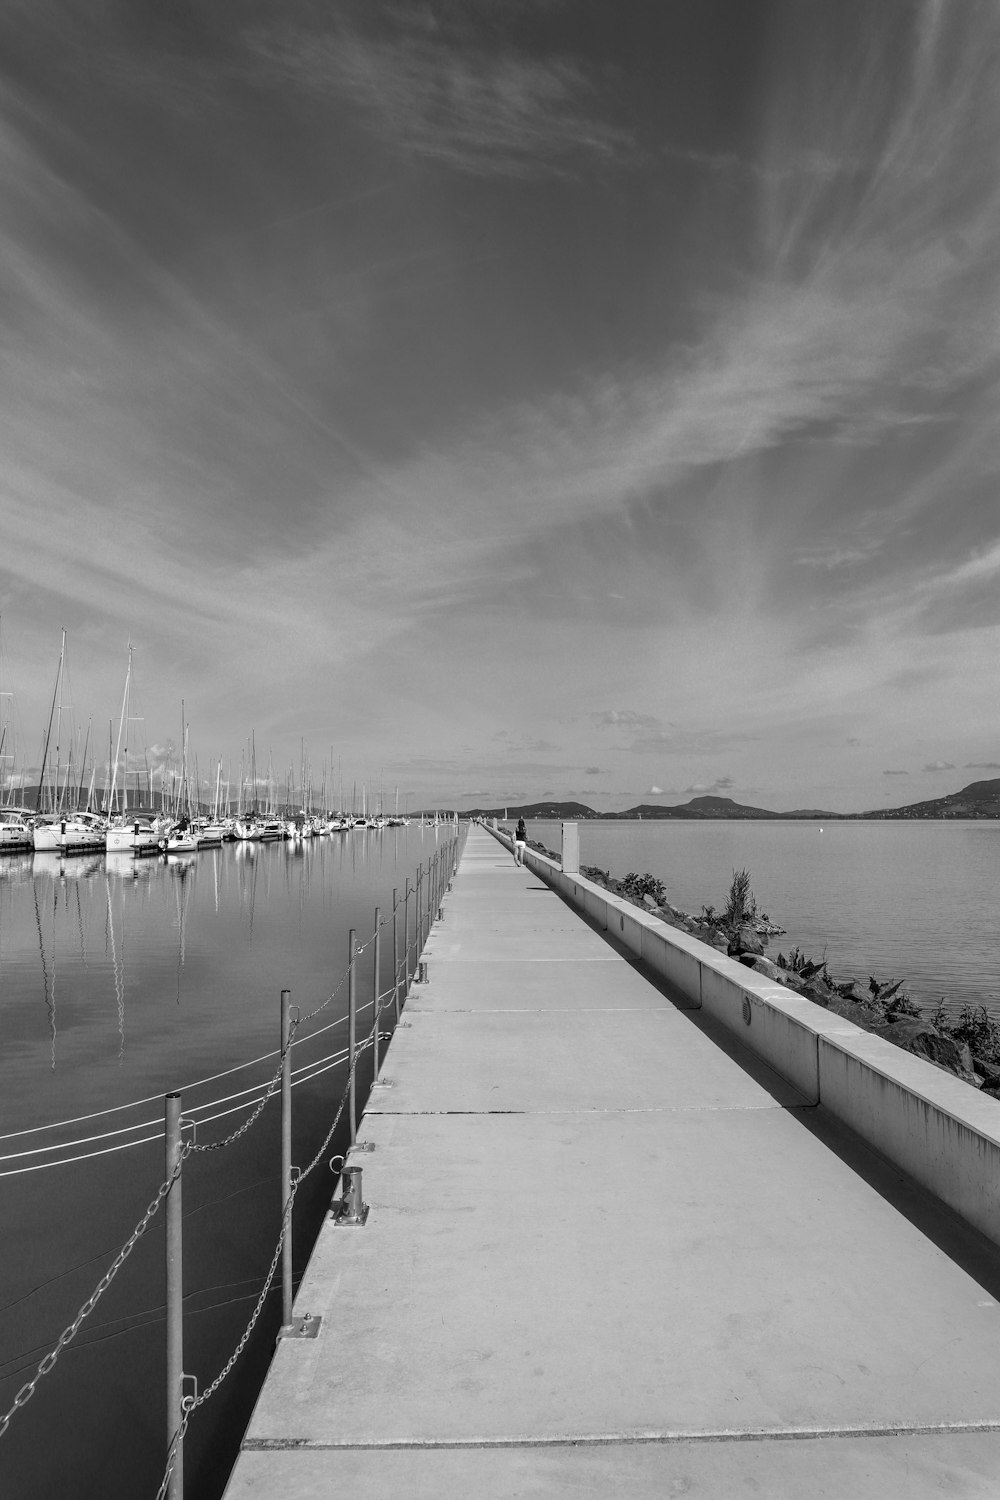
{"x": 427, "y": 896}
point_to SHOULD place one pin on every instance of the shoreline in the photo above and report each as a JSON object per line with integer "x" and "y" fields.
{"x": 967, "y": 1047}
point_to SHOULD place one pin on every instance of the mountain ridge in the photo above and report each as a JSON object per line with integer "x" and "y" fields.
{"x": 979, "y": 799}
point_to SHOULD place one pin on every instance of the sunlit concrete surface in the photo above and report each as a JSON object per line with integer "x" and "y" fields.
{"x": 609, "y": 1252}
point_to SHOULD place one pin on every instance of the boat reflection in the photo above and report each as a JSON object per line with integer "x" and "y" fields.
{"x": 125, "y": 866}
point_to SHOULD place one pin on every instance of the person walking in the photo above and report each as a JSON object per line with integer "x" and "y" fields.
{"x": 520, "y": 839}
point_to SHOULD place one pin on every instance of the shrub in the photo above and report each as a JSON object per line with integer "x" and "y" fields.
{"x": 740, "y": 904}
{"x": 637, "y": 886}
{"x": 977, "y": 1027}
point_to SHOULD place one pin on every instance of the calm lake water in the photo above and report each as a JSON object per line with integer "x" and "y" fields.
{"x": 918, "y": 901}
{"x": 121, "y": 980}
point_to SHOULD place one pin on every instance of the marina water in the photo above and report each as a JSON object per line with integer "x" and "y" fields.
{"x": 121, "y": 980}
{"x": 918, "y": 901}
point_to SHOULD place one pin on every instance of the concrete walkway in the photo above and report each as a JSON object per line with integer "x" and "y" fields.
{"x": 610, "y": 1254}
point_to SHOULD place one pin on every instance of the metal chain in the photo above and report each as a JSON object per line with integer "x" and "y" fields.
{"x": 175, "y": 1442}
{"x": 254, "y": 1116}
{"x": 68, "y": 1334}
{"x": 191, "y": 1403}
{"x": 383, "y": 920}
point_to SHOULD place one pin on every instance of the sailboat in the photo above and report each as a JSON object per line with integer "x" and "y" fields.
{"x": 213, "y": 830}
{"x": 182, "y": 838}
{"x": 136, "y": 835}
{"x": 58, "y": 830}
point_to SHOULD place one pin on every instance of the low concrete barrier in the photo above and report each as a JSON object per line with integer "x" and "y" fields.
{"x": 931, "y": 1125}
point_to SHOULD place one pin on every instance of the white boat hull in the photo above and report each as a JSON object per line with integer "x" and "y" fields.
{"x": 132, "y": 838}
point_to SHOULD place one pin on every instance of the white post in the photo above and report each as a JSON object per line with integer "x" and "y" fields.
{"x": 571, "y": 848}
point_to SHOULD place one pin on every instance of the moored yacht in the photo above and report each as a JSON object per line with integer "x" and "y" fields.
{"x": 15, "y": 829}
{"x": 180, "y": 840}
{"x": 133, "y": 835}
{"x": 210, "y": 831}
{"x": 70, "y": 833}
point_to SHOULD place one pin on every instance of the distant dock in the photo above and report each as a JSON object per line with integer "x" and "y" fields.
{"x": 610, "y": 1251}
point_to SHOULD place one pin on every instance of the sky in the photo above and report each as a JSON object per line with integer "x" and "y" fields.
{"x": 507, "y": 399}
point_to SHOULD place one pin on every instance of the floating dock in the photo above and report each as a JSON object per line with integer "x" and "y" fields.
{"x": 610, "y": 1252}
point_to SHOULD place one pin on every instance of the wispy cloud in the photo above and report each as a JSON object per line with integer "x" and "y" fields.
{"x": 624, "y": 718}
{"x": 688, "y": 742}
{"x": 433, "y": 91}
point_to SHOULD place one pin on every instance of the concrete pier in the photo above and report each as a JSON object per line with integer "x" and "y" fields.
{"x": 610, "y": 1252}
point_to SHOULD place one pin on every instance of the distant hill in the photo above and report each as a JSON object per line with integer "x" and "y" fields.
{"x": 980, "y": 799}
{"x": 554, "y": 811}
{"x": 700, "y": 807}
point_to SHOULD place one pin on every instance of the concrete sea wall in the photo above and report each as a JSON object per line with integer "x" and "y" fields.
{"x": 938, "y": 1130}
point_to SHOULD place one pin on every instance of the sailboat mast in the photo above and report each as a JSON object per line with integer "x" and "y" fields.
{"x": 83, "y": 764}
{"x": 107, "y": 779}
{"x": 48, "y": 732}
{"x": 122, "y": 731}
{"x": 56, "y": 789}
{"x": 253, "y": 766}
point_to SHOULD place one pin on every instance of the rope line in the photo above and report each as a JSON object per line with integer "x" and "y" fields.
{"x": 99, "y": 1114}
{"x": 69, "y": 1333}
{"x": 380, "y": 1001}
{"x": 299, "y": 1075}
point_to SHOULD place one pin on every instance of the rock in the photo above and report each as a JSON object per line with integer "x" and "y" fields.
{"x": 850, "y": 1010}
{"x": 671, "y": 921}
{"x": 764, "y": 966}
{"x": 918, "y": 1036}
{"x": 744, "y": 940}
{"x": 854, "y": 990}
{"x": 818, "y": 990}
{"x": 988, "y": 1071}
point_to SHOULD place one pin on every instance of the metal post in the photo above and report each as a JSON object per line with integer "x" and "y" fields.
{"x": 395, "y": 953}
{"x": 175, "y": 1292}
{"x": 406, "y": 937}
{"x": 418, "y": 924}
{"x": 376, "y": 992}
{"x": 352, "y": 1030}
{"x": 286, "y": 1158}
